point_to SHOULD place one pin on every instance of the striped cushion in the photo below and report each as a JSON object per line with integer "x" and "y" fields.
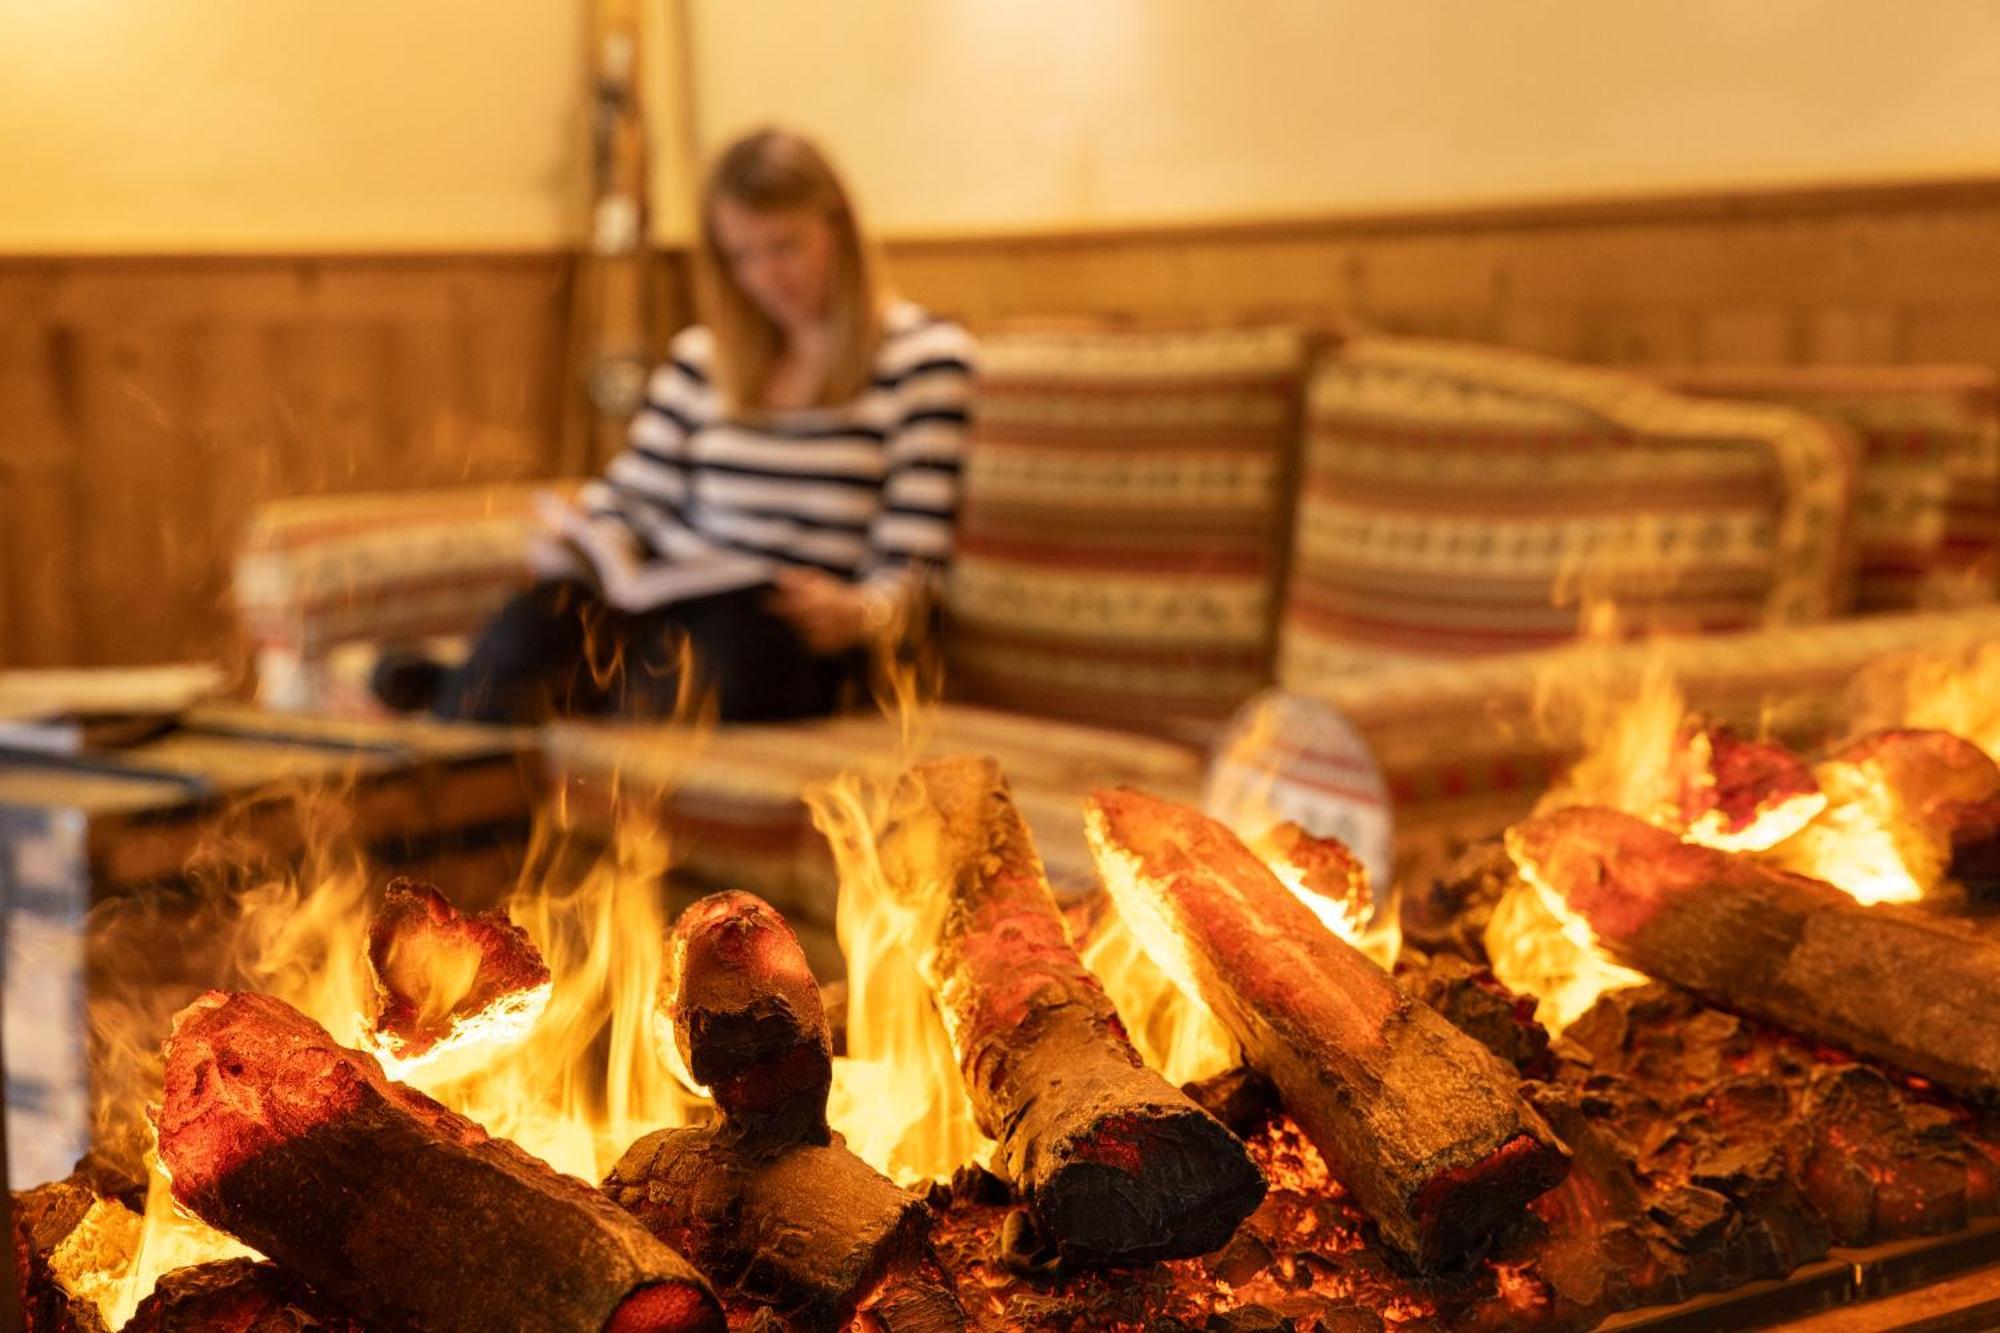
{"x": 1118, "y": 543}
{"x": 1459, "y": 500}
{"x": 320, "y": 572}
{"x": 1927, "y": 508}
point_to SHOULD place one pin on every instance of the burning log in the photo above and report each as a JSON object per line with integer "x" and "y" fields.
{"x": 1423, "y": 1124}
{"x": 1115, "y": 1164}
{"x": 1736, "y": 794}
{"x": 1901, "y": 987}
{"x": 769, "y": 1202}
{"x": 748, "y": 1018}
{"x": 404, "y": 1212}
{"x": 1947, "y": 789}
{"x": 445, "y": 979}
{"x": 69, "y": 1237}
{"x": 235, "y": 1296}
{"x": 1324, "y": 870}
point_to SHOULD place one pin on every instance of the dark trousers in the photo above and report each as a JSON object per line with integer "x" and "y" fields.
{"x": 558, "y": 650}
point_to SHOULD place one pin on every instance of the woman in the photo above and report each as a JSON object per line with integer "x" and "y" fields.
{"x": 787, "y": 489}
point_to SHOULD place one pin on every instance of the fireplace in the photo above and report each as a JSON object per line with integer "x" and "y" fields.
{"x": 1704, "y": 1042}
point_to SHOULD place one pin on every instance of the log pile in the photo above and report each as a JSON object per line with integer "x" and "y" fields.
{"x": 405, "y": 1213}
{"x": 1425, "y": 1126}
{"x": 768, "y": 1200}
{"x": 1898, "y": 985}
{"x": 1115, "y": 1165}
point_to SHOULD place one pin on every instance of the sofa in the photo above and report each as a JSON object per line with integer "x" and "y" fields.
{"x": 1171, "y": 540}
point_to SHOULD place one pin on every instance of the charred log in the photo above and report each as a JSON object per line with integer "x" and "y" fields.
{"x": 1115, "y": 1164}
{"x": 404, "y": 1212}
{"x": 1425, "y": 1126}
{"x": 1473, "y": 1000}
{"x": 804, "y": 1228}
{"x": 236, "y": 1296}
{"x": 748, "y": 1019}
{"x": 768, "y": 1201}
{"x": 1896, "y": 985}
{"x": 1450, "y": 914}
{"x": 53, "y": 1238}
{"x": 438, "y": 973}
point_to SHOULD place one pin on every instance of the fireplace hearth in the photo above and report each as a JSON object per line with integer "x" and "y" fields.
{"x": 1610, "y": 1079}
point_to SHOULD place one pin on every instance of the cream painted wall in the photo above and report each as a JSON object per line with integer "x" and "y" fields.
{"x": 221, "y": 125}
{"x": 163, "y": 125}
{"x": 1031, "y": 114}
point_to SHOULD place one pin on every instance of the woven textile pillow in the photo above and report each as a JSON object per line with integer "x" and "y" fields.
{"x": 326, "y": 571}
{"x": 1459, "y": 500}
{"x": 1119, "y": 539}
{"x": 1927, "y": 507}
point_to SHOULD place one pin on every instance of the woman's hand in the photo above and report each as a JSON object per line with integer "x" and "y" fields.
{"x": 830, "y": 616}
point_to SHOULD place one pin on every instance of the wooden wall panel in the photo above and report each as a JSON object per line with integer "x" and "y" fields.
{"x": 147, "y": 405}
{"x": 1872, "y": 273}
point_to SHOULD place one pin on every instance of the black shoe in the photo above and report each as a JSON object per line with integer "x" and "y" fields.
{"x": 406, "y": 682}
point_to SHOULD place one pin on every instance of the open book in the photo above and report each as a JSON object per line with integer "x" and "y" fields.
{"x": 604, "y": 553}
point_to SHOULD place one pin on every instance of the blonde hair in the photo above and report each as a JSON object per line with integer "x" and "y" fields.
{"x": 777, "y": 171}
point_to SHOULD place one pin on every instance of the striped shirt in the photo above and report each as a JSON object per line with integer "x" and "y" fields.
{"x": 865, "y": 491}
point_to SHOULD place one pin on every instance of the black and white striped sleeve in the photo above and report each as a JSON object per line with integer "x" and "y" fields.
{"x": 646, "y": 486}
{"x": 647, "y": 489}
{"x": 911, "y": 537}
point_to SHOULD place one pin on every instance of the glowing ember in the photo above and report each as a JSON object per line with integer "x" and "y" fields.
{"x": 1738, "y": 795}
{"x": 1328, "y": 878}
{"x": 446, "y": 980}
{"x": 94, "y": 1262}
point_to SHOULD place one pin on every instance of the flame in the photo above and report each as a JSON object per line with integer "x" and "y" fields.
{"x": 1955, "y": 691}
{"x": 1537, "y": 946}
{"x": 1629, "y": 733}
{"x": 1173, "y": 1030}
{"x": 94, "y": 1262}
{"x": 897, "y": 1095}
{"x": 1865, "y": 842}
{"x": 575, "y": 1084}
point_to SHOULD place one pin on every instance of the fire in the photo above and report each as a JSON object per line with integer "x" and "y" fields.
{"x": 1163, "y": 1013}
{"x": 570, "y": 1073}
{"x": 1537, "y": 946}
{"x": 897, "y": 1096}
{"x": 1628, "y": 732}
{"x": 1957, "y": 692}
{"x": 1865, "y": 842}
{"x": 1736, "y": 795}
{"x": 94, "y": 1261}
{"x": 1173, "y": 1030}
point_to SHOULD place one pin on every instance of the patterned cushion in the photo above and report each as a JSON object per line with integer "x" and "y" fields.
{"x": 1118, "y": 544}
{"x": 730, "y": 798}
{"x": 1459, "y": 500}
{"x": 1927, "y": 508}
{"x": 321, "y": 572}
